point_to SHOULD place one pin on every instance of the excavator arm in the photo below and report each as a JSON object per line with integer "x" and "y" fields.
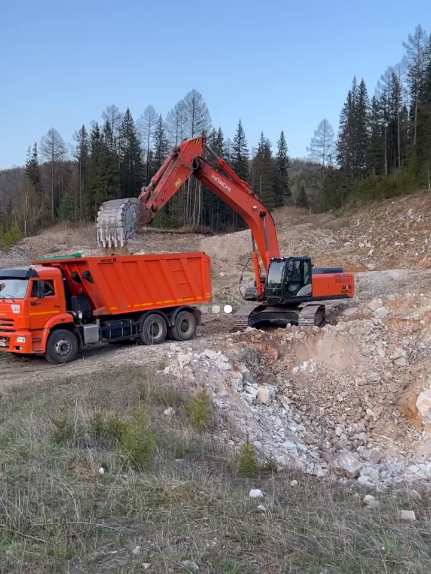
{"x": 118, "y": 220}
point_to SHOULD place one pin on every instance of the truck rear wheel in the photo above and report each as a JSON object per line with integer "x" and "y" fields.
{"x": 185, "y": 326}
{"x": 153, "y": 329}
{"x": 62, "y": 347}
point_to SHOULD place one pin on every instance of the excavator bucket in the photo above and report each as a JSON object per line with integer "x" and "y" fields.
{"x": 117, "y": 221}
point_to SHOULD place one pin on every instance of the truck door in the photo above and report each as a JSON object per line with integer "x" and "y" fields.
{"x": 45, "y": 302}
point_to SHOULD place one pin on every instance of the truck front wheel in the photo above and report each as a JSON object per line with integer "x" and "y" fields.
{"x": 62, "y": 347}
{"x": 185, "y": 326}
{"x": 153, "y": 329}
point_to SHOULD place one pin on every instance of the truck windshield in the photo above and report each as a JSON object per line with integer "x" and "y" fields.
{"x": 13, "y": 288}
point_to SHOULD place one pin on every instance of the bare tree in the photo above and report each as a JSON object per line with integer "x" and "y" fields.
{"x": 176, "y": 123}
{"x": 31, "y": 206}
{"x": 322, "y": 143}
{"x": 53, "y": 150}
{"x": 416, "y": 61}
{"x": 146, "y": 125}
{"x": 198, "y": 119}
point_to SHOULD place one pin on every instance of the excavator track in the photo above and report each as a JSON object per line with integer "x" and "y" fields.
{"x": 241, "y": 318}
{"x": 311, "y": 315}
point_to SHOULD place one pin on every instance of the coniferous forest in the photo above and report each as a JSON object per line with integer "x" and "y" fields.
{"x": 382, "y": 149}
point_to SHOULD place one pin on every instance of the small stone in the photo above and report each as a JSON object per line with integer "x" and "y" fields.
{"x": 190, "y": 566}
{"x": 101, "y": 470}
{"x": 146, "y": 565}
{"x": 169, "y": 412}
{"x": 406, "y": 515}
{"x": 338, "y": 431}
{"x": 261, "y": 509}
{"x": 371, "y": 502}
{"x": 371, "y": 473}
{"x": 264, "y": 395}
{"x": 136, "y": 551}
{"x": 375, "y": 304}
{"x": 294, "y": 483}
{"x": 256, "y": 493}
{"x": 381, "y": 313}
{"x": 184, "y": 359}
{"x": 373, "y": 455}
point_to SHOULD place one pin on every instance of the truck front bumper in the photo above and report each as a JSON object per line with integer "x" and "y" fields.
{"x": 16, "y": 342}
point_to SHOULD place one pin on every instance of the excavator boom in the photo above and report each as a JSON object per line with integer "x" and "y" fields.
{"x": 119, "y": 219}
{"x": 290, "y": 282}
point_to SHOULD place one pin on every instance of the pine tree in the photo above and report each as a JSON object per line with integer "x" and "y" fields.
{"x": 424, "y": 117}
{"x": 302, "y": 199}
{"x": 32, "y": 170}
{"x": 361, "y": 134}
{"x": 416, "y": 47}
{"x": 240, "y": 154}
{"x": 376, "y": 147}
{"x": 131, "y": 167}
{"x": 161, "y": 146}
{"x": 283, "y": 194}
{"x": 263, "y": 173}
{"x": 82, "y": 156}
{"x": 345, "y": 153}
{"x": 111, "y": 162}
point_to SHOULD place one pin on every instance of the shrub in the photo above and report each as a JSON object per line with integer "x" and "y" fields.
{"x": 64, "y": 427}
{"x": 137, "y": 441}
{"x": 198, "y": 410}
{"x": 247, "y": 460}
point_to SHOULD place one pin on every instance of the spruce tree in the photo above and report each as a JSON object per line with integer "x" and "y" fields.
{"x": 32, "y": 170}
{"x": 302, "y": 199}
{"x": 361, "y": 134}
{"x": 82, "y": 157}
{"x": 160, "y": 145}
{"x": 240, "y": 154}
{"x": 376, "y": 147}
{"x": 131, "y": 166}
{"x": 263, "y": 173}
{"x": 283, "y": 194}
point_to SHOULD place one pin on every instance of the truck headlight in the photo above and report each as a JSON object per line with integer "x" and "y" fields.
{"x": 20, "y": 339}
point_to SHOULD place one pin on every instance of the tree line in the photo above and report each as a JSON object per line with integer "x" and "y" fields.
{"x": 383, "y": 147}
{"x": 115, "y": 157}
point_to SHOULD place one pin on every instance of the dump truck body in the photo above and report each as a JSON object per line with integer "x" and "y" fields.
{"x": 101, "y": 299}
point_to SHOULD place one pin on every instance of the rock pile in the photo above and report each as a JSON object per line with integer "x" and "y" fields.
{"x": 327, "y": 401}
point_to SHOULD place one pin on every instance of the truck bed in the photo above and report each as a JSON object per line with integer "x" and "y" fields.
{"x": 132, "y": 283}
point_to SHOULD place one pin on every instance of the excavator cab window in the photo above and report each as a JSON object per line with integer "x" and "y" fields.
{"x": 297, "y": 281}
{"x": 274, "y": 281}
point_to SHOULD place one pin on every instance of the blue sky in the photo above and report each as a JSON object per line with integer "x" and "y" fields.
{"x": 275, "y": 64}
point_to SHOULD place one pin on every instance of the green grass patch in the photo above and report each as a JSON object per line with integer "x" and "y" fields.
{"x": 171, "y": 489}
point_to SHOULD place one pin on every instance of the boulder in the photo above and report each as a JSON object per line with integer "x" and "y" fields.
{"x": 423, "y": 405}
{"x": 375, "y": 304}
{"x": 347, "y": 464}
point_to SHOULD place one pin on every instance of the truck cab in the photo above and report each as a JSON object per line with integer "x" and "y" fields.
{"x": 32, "y": 304}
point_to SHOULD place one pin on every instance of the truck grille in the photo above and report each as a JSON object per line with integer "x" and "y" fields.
{"x": 6, "y": 325}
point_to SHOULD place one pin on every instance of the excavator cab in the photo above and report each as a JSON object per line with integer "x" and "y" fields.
{"x": 288, "y": 279}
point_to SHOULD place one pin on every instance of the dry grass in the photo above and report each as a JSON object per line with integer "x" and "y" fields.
{"x": 58, "y": 514}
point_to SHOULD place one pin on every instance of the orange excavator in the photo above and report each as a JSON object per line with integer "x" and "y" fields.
{"x": 287, "y": 289}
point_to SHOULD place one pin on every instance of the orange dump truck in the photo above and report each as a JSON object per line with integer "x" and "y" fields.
{"x": 57, "y": 306}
